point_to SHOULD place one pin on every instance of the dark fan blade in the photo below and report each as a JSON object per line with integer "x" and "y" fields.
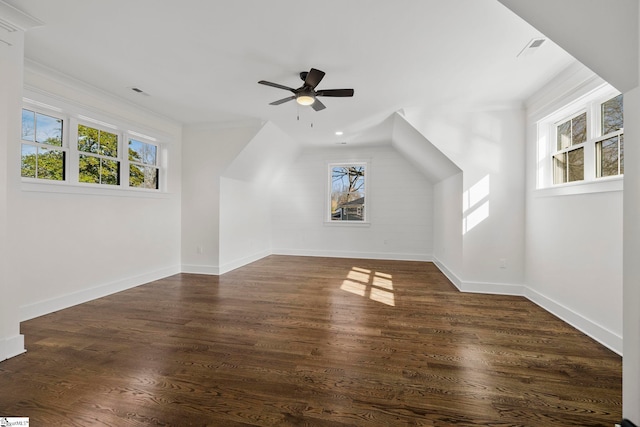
{"x": 282, "y": 101}
{"x": 313, "y": 78}
{"x": 317, "y": 105}
{"x": 264, "y": 82}
{"x": 335, "y": 92}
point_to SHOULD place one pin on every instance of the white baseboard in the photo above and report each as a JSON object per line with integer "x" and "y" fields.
{"x": 604, "y": 336}
{"x": 211, "y": 270}
{"x": 41, "y": 308}
{"x": 492, "y": 288}
{"x": 232, "y": 265}
{"x": 11, "y": 347}
{"x": 356, "y": 255}
{"x": 214, "y": 270}
{"x": 229, "y": 266}
{"x": 453, "y": 278}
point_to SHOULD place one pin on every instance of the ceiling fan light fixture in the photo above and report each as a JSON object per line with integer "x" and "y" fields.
{"x": 305, "y": 100}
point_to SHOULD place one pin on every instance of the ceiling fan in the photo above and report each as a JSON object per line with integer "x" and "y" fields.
{"x": 306, "y": 94}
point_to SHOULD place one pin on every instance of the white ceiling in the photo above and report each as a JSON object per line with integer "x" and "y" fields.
{"x": 200, "y": 60}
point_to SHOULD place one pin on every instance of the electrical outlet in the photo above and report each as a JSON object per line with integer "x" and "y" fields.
{"x": 503, "y": 263}
{"x": 199, "y": 250}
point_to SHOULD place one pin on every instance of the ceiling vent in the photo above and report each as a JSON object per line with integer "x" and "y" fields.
{"x": 139, "y": 91}
{"x": 532, "y": 47}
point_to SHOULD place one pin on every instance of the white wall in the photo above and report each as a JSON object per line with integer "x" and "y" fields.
{"x": 399, "y": 202}
{"x": 207, "y": 152}
{"x": 447, "y": 225}
{"x": 245, "y": 196}
{"x": 489, "y": 148}
{"x": 11, "y": 341}
{"x": 574, "y": 260}
{"x": 631, "y": 248}
{"x": 573, "y": 241}
{"x": 245, "y": 226}
{"x": 78, "y": 244}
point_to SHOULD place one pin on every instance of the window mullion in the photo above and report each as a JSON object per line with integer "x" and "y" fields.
{"x": 74, "y": 154}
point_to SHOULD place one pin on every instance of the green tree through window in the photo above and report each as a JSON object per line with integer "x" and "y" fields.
{"x": 99, "y": 165}
{"x": 41, "y": 153}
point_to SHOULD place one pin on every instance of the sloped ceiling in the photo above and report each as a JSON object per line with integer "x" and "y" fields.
{"x": 199, "y": 61}
{"x": 607, "y": 27}
{"x": 418, "y": 150}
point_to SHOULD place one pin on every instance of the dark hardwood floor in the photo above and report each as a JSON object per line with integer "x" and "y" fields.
{"x": 296, "y": 341}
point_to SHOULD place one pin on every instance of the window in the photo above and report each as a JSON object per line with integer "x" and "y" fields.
{"x": 66, "y": 148}
{"x": 143, "y": 158}
{"x": 42, "y": 155}
{"x": 568, "y": 162}
{"x": 585, "y": 140}
{"x": 98, "y": 156}
{"x": 348, "y": 191}
{"x": 610, "y": 149}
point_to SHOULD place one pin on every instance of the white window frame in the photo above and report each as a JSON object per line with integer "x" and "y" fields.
{"x": 547, "y": 148}
{"x": 566, "y": 150}
{"x": 145, "y": 139}
{"x": 73, "y": 115}
{"x": 76, "y": 153}
{"x": 602, "y": 137}
{"x": 55, "y": 113}
{"x": 367, "y": 211}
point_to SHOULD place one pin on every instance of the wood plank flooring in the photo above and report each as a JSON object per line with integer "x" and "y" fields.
{"x": 296, "y": 341}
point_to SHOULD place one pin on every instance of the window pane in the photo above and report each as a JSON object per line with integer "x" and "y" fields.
{"x": 28, "y": 125}
{"x": 48, "y": 130}
{"x": 612, "y": 115}
{"x": 89, "y": 169}
{"x": 29, "y": 160}
{"x": 607, "y": 155}
{"x": 110, "y": 172}
{"x": 564, "y": 135}
{"x": 88, "y": 140}
{"x": 97, "y": 141}
{"x": 142, "y": 152}
{"x": 50, "y": 164}
{"x": 579, "y": 129}
{"x": 347, "y": 193}
{"x": 349, "y": 207}
{"x": 143, "y": 176}
{"x": 42, "y": 163}
{"x": 560, "y": 168}
{"x": 576, "y": 164}
{"x": 41, "y": 128}
{"x": 108, "y": 144}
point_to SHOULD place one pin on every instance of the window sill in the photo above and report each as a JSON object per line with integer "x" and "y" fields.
{"x": 601, "y": 185}
{"x": 65, "y": 188}
{"x": 347, "y": 224}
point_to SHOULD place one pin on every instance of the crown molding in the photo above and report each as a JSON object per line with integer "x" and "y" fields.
{"x": 13, "y": 19}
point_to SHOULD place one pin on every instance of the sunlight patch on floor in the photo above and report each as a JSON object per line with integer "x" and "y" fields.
{"x": 376, "y": 286}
